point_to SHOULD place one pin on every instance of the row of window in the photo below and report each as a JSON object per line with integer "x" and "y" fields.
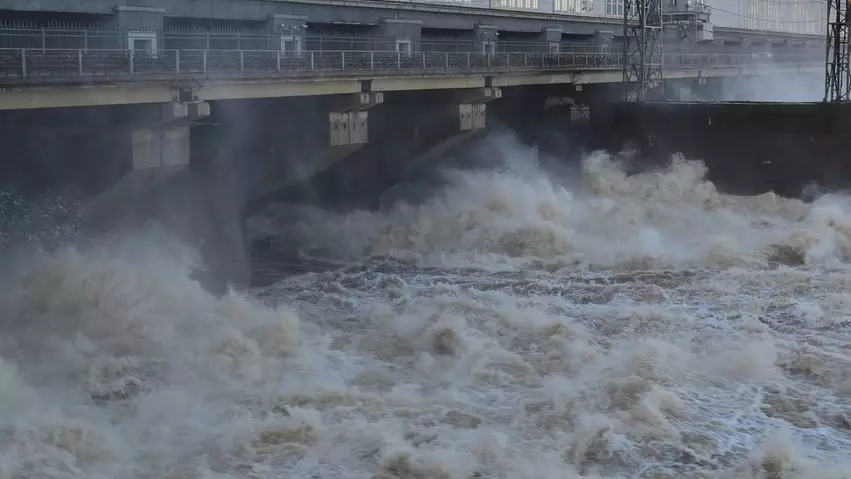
{"x": 515, "y": 4}
{"x": 574, "y": 6}
{"x": 794, "y": 16}
{"x": 614, "y": 8}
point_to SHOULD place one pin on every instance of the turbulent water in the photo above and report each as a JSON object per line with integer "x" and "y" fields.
{"x": 513, "y": 325}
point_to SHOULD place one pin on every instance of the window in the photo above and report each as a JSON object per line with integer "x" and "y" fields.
{"x": 574, "y": 6}
{"x": 614, "y": 8}
{"x": 515, "y": 4}
{"x": 291, "y": 45}
{"x": 404, "y": 47}
{"x": 554, "y": 47}
{"x": 489, "y": 48}
{"x": 673, "y": 3}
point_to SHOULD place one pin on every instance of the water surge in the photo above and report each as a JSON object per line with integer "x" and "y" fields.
{"x": 516, "y": 324}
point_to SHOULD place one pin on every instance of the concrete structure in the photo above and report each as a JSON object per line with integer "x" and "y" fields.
{"x": 749, "y": 148}
{"x": 212, "y": 109}
{"x": 780, "y": 16}
{"x": 740, "y": 19}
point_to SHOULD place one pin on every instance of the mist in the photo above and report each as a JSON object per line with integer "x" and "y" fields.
{"x": 773, "y": 88}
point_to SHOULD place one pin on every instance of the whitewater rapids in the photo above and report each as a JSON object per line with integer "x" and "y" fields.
{"x": 513, "y": 325}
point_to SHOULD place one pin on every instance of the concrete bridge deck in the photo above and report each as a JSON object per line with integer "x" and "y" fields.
{"x": 40, "y": 78}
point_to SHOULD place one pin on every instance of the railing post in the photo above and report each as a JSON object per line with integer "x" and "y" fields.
{"x": 242, "y": 61}
{"x": 204, "y": 61}
{"x": 311, "y": 61}
{"x": 489, "y": 59}
{"x": 372, "y": 59}
{"x": 80, "y": 62}
{"x": 398, "y": 60}
{"x": 468, "y": 60}
{"x": 132, "y": 62}
{"x": 507, "y": 60}
{"x": 177, "y": 61}
{"x": 277, "y": 60}
{"x": 526, "y": 60}
{"x": 343, "y": 60}
{"x": 424, "y": 62}
{"x": 23, "y": 63}
{"x": 446, "y": 61}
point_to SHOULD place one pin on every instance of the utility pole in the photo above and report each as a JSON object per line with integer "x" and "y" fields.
{"x": 837, "y": 75}
{"x": 643, "y": 61}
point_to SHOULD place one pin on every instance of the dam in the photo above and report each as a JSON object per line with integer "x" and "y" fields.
{"x": 423, "y": 240}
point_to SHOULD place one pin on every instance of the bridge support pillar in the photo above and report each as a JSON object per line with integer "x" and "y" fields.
{"x": 472, "y": 107}
{"x": 471, "y": 114}
{"x": 348, "y": 132}
{"x": 157, "y": 152}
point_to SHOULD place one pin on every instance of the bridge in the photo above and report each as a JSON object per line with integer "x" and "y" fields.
{"x": 227, "y": 105}
{"x": 62, "y": 77}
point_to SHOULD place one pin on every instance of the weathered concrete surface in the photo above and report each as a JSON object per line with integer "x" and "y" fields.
{"x": 167, "y": 175}
{"x": 402, "y": 130}
{"x": 749, "y": 148}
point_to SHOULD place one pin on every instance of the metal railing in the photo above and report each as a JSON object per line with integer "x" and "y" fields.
{"x": 34, "y": 65}
{"x": 113, "y": 39}
{"x": 52, "y": 39}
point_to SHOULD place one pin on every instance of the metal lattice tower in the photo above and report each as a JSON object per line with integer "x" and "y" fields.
{"x": 837, "y": 76}
{"x": 643, "y": 59}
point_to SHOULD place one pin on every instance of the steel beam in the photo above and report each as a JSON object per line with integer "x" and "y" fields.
{"x": 837, "y": 85}
{"x": 643, "y": 63}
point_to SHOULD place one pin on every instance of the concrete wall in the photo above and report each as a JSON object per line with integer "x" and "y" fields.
{"x": 749, "y": 148}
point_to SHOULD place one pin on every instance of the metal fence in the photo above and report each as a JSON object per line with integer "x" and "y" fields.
{"x": 187, "y": 39}
{"x": 99, "y": 39}
{"x": 35, "y": 65}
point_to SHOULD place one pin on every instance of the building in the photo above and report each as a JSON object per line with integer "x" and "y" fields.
{"x": 786, "y": 16}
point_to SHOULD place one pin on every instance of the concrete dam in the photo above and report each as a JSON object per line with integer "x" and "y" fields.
{"x": 344, "y": 151}
{"x": 425, "y": 239}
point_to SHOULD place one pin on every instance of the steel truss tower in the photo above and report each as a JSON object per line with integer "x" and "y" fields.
{"x": 837, "y": 75}
{"x": 643, "y": 59}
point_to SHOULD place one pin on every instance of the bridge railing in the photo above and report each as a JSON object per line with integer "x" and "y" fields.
{"x": 34, "y": 65}
{"x": 174, "y": 38}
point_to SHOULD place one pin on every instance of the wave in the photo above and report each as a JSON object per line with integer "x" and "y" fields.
{"x": 670, "y": 218}
{"x": 115, "y": 363}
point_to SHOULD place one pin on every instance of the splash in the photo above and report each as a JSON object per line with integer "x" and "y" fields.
{"x": 512, "y": 326}
{"x": 668, "y": 219}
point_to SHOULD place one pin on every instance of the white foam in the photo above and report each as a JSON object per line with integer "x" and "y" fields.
{"x": 675, "y": 346}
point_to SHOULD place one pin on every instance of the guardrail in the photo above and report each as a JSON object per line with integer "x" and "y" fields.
{"x": 106, "y": 39}
{"x": 29, "y": 66}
